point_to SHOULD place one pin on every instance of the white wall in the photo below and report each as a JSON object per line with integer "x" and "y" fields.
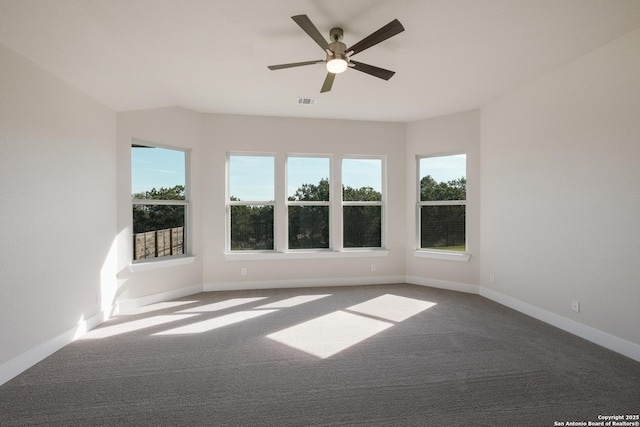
{"x": 452, "y": 134}
{"x": 210, "y": 137}
{"x": 552, "y": 190}
{"x": 57, "y": 209}
{"x": 171, "y": 127}
{"x": 226, "y": 133}
{"x": 560, "y": 191}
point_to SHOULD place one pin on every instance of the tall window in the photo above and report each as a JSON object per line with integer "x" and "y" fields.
{"x": 251, "y": 202}
{"x": 308, "y": 202}
{"x": 442, "y": 202}
{"x": 362, "y": 202}
{"x": 160, "y": 199}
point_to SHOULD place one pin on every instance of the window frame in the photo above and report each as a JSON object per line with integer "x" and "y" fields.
{"x": 186, "y": 203}
{"x": 445, "y": 254}
{"x": 229, "y": 203}
{"x": 382, "y": 202}
{"x": 329, "y": 203}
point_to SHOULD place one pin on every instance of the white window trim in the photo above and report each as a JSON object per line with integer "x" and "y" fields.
{"x": 442, "y": 255}
{"x": 306, "y": 254}
{"x": 157, "y": 263}
{"x": 162, "y": 261}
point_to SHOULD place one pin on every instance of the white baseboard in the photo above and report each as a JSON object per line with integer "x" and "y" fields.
{"x": 21, "y": 363}
{"x": 26, "y": 360}
{"x": 443, "y": 284}
{"x": 302, "y": 283}
{"x": 132, "y": 304}
{"x": 619, "y": 345}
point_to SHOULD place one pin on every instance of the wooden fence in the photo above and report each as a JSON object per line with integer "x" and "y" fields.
{"x": 158, "y": 243}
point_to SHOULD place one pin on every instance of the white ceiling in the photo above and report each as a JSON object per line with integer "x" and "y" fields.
{"x": 212, "y": 56}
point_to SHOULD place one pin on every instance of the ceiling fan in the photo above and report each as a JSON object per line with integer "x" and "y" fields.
{"x": 338, "y": 57}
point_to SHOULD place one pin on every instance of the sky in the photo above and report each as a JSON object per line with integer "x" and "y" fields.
{"x": 153, "y": 167}
{"x": 252, "y": 177}
{"x": 444, "y": 168}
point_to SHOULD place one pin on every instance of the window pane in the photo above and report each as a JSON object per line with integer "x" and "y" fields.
{"x": 251, "y": 178}
{"x": 308, "y": 227}
{"x": 308, "y": 178}
{"x": 252, "y": 227}
{"x": 443, "y": 178}
{"x": 157, "y": 173}
{"x": 442, "y": 227}
{"x": 362, "y": 179}
{"x": 158, "y": 231}
{"x": 362, "y": 226}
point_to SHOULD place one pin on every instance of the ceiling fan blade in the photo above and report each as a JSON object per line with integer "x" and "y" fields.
{"x": 328, "y": 82}
{"x": 373, "y": 70}
{"x": 391, "y": 29}
{"x": 308, "y": 27}
{"x": 294, "y": 64}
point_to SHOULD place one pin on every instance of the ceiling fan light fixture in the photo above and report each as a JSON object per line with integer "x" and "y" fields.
{"x": 338, "y": 57}
{"x": 337, "y": 65}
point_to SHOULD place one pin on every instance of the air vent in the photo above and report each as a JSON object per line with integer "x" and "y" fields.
{"x": 307, "y": 101}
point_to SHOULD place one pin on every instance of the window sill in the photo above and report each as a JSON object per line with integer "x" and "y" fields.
{"x": 306, "y": 254}
{"x": 443, "y": 255}
{"x": 161, "y": 263}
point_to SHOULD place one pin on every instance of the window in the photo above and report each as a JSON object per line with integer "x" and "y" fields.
{"x": 442, "y": 200}
{"x": 160, "y": 198}
{"x": 308, "y": 202}
{"x": 362, "y": 202}
{"x": 287, "y": 205}
{"x": 251, "y": 202}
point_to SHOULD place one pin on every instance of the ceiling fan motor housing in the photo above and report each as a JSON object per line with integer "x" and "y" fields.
{"x": 336, "y": 34}
{"x": 336, "y": 48}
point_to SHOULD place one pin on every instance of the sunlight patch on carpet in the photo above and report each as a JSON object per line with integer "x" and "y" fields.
{"x": 293, "y": 301}
{"x": 216, "y": 306}
{"x": 330, "y": 334}
{"x": 392, "y": 307}
{"x": 218, "y": 322}
{"x": 158, "y": 306}
{"x": 135, "y": 325}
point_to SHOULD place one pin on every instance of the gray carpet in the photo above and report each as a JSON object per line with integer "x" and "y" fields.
{"x": 463, "y": 361}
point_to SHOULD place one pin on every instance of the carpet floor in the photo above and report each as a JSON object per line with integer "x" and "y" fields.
{"x": 388, "y": 355}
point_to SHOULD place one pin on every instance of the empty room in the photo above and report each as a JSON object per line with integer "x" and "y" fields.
{"x": 251, "y": 213}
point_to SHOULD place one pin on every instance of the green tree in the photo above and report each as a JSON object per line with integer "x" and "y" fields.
{"x": 443, "y": 226}
{"x": 149, "y": 217}
{"x": 362, "y": 194}
{"x": 172, "y": 193}
{"x": 431, "y": 190}
{"x": 362, "y": 225}
{"x": 312, "y": 192}
{"x": 251, "y": 226}
{"x": 309, "y": 225}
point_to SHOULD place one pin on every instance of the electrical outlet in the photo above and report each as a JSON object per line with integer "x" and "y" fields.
{"x": 492, "y": 279}
{"x": 575, "y": 306}
{"x": 243, "y": 272}
{"x": 373, "y": 267}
